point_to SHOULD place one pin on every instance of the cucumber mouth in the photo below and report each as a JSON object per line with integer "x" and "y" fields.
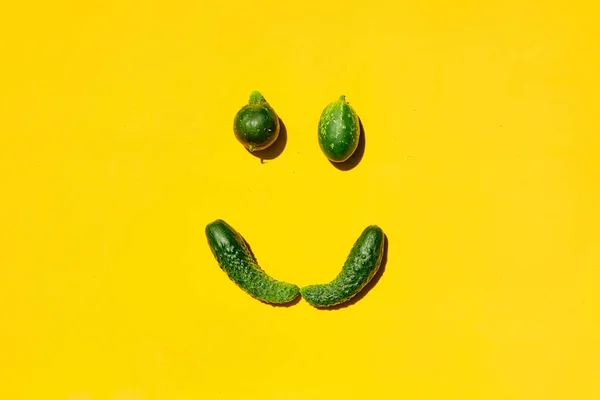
{"x": 363, "y": 268}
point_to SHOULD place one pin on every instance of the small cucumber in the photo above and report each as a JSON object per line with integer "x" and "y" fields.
{"x": 234, "y": 257}
{"x": 339, "y": 130}
{"x": 256, "y": 125}
{"x": 360, "y": 267}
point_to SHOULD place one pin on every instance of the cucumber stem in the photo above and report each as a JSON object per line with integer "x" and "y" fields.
{"x": 342, "y": 98}
{"x": 256, "y": 98}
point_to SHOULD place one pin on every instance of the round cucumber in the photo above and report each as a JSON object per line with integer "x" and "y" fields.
{"x": 256, "y": 125}
{"x": 339, "y": 130}
{"x": 360, "y": 267}
{"x": 234, "y": 257}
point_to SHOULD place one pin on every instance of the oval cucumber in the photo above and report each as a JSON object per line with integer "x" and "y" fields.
{"x": 234, "y": 257}
{"x": 358, "y": 270}
{"x": 339, "y": 130}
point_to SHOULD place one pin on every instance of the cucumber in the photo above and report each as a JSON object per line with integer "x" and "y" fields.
{"x": 234, "y": 257}
{"x": 339, "y": 130}
{"x": 360, "y": 267}
{"x": 256, "y": 125}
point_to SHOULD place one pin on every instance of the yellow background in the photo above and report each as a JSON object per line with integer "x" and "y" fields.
{"x": 481, "y": 165}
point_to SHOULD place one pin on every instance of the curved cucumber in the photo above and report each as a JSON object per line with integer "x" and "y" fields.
{"x": 339, "y": 130}
{"x": 360, "y": 267}
{"x": 234, "y": 257}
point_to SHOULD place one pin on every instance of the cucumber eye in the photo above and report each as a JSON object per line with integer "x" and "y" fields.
{"x": 256, "y": 125}
{"x": 339, "y": 131}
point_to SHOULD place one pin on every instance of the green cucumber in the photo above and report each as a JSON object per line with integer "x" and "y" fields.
{"x": 360, "y": 267}
{"x": 234, "y": 257}
{"x": 339, "y": 130}
{"x": 256, "y": 125}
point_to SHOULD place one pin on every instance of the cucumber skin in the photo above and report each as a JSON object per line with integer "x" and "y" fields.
{"x": 339, "y": 130}
{"x": 256, "y": 125}
{"x": 361, "y": 265}
{"x": 234, "y": 257}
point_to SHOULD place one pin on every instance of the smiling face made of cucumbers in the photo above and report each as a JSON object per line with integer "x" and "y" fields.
{"x": 256, "y": 126}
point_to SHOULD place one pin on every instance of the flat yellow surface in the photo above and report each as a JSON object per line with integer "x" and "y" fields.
{"x": 482, "y": 165}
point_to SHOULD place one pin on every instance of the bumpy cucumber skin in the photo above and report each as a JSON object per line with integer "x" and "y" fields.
{"x": 231, "y": 252}
{"x": 360, "y": 267}
{"x": 256, "y": 125}
{"x": 339, "y": 130}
